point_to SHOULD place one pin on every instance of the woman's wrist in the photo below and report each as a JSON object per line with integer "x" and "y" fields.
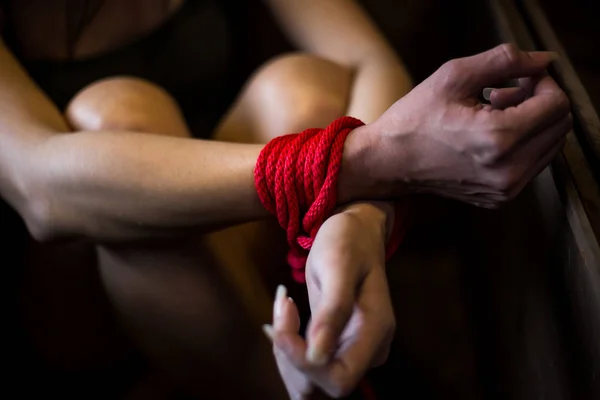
{"x": 376, "y": 215}
{"x": 353, "y": 182}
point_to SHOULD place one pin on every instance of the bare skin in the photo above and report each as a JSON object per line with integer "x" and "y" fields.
{"x": 142, "y": 280}
{"x": 97, "y": 185}
{"x": 158, "y": 288}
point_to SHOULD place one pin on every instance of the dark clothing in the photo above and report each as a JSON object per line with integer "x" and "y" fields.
{"x": 195, "y": 55}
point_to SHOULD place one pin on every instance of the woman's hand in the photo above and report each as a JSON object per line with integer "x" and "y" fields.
{"x": 352, "y": 322}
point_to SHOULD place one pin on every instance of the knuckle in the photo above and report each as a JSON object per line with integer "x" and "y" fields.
{"x": 451, "y": 74}
{"x": 493, "y": 147}
{"x": 450, "y": 69}
{"x": 504, "y": 183}
{"x": 509, "y": 52}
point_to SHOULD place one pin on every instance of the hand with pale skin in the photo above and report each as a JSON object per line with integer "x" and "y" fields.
{"x": 352, "y": 322}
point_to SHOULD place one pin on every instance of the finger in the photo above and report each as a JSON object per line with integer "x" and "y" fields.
{"x": 332, "y": 312}
{"x": 286, "y": 322}
{"x": 507, "y": 97}
{"x": 538, "y": 146}
{"x": 290, "y": 352}
{"x": 547, "y": 105}
{"x": 292, "y": 346}
{"x": 528, "y": 84}
{"x": 285, "y": 313}
{"x": 545, "y": 161}
{"x": 367, "y": 341}
{"x": 536, "y": 149}
{"x": 545, "y": 157}
{"x": 502, "y": 63}
{"x": 541, "y": 165}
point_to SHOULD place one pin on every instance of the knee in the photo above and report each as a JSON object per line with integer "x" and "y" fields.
{"x": 119, "y": 103}
{"x": 299, "y": 91}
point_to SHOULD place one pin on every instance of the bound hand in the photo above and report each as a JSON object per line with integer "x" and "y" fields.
{"x": 441, "y": 139}
{"x": 352, "y": 322}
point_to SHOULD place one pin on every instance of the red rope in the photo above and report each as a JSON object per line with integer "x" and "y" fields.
{"x": 296, "y": 179}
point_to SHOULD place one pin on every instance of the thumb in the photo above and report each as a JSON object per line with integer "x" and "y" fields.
{"x": 502, "y": 63}
{"x": 331, "y": 314}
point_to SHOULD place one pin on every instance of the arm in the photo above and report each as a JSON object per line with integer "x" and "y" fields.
{"x": 352, "y": 239}
{"x": 106, "y": 185}
{"x": 340, "y": 31}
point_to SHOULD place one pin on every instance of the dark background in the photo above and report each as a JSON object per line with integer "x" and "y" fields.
{"x": 446, "y": 364}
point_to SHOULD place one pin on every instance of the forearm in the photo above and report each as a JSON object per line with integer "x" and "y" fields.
{"x": 108, "y": 184}
{"x": 121, "y": 185}
{"x": 341, "y": 31}
{"x": 26, "y": 117}
{"x": 379, "y": 81}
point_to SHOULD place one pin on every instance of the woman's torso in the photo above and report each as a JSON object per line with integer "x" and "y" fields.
{"x": 189, "y": 47}
{"x": 62, "y": 30}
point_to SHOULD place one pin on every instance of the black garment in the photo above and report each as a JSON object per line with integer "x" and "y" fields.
{"x": 195, "y": 55}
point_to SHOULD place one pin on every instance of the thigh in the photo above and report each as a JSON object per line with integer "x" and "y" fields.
{"x": 194, "y": 306}
{"x": 288, "y": 94}
{"x": 175, "y": 298}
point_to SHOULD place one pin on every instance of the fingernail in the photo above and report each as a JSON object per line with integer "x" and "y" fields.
{"x": 316, "y": 354}
{"x": 280, "y": 295}
{"x": 268, "y": 330}
{"x": 487, "y": 93}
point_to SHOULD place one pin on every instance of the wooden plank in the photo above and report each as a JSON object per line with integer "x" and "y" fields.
{"x": 583, "y": 108}
{"x": 542, "y": 269}
{"x": 582, "y": 153}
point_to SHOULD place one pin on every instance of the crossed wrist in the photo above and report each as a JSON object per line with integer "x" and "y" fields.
{"x": 355, "y": 181}
{"x": 375, "y": 216}
{"x": 364, "y": 174}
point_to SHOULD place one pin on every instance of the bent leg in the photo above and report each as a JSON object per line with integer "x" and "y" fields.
{"x": 172, "y": 299}
{"x": 288, "y": 94}
{"x": 176, "y": 299}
